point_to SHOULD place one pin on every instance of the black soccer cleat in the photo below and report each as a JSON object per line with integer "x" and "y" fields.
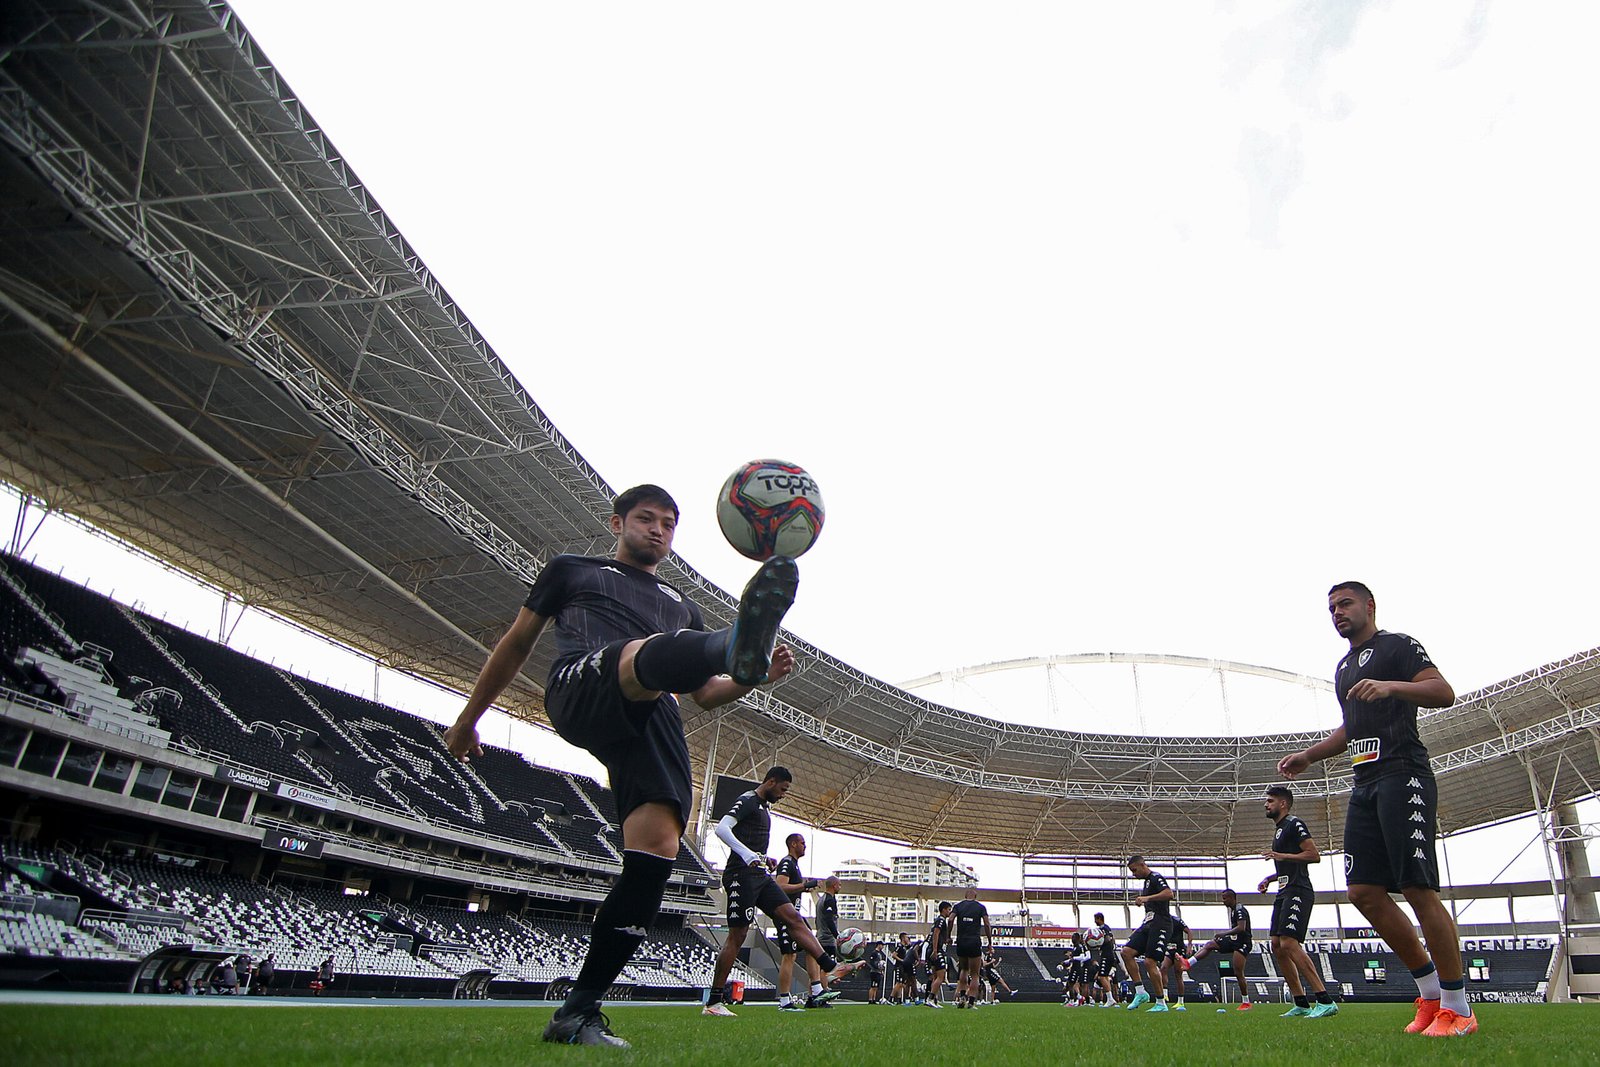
{"x": 592, "y": 1028}
{"x": 761, "y": 609}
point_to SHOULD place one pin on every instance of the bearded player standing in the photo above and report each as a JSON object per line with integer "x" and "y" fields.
{"x": 1393, "y": 813}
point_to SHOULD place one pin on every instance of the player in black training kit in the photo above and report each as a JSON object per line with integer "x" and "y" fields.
{"x": 1234, "y": 941}
{"x": 793, "y": 882}
{"x": 904, "y": 958}
{"x": 1393, "y": 811}
{"x": 828, "y": 914}
{"x": 626, "y": 642}
{"x": 934, "y": 951}
{"x": 989, "y": 970}
{"x": 972, "y": 936}
{"x": 1106, "y": 957}
{"x": 1291, "y": 852}
{"x": 1150, "y": 942}
{"x": 878, "y": 982}
{"x": 747, "y": 829}
{"x": 1176, "y": 963}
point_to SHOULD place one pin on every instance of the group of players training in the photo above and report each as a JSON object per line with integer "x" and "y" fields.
{"x": 627, "y": 644}
{"x": 961, "y": 930}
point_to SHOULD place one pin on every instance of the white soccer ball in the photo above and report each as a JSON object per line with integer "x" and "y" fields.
{"x": 1094, "y": 937}
{"x": 851, "y": 943}
{"x": 770, "y": 508}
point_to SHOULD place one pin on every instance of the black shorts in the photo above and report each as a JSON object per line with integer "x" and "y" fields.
{"x": 750, "y": 889}
{"x": 640, "y": 743}
{"x": 990, "y": 975}
{"x": 1234, "y": 944}
{"x": 1388, "y": 832}
{"x": 966, "y": 950}
{"x": 905, "y": 973}
{"x": 934, "y": 963}
{"x": 1153, "y": 939}
{"x": 1291, "y": 912}
{"x": 1105, "y": 965}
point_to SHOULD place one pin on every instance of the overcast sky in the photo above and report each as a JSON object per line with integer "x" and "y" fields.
{"x": 1102, "y": 326}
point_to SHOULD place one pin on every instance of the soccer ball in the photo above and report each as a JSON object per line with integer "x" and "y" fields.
{"x": 768, "y": 508}
{"x": 1094, "y": 937}
{"x": 851, "y": 943}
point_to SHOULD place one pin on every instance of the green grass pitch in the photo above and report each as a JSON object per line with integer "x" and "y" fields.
{"x": 238, "y": 1035}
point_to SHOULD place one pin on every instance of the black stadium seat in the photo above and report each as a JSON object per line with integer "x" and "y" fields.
{"x": 216, "y": 700}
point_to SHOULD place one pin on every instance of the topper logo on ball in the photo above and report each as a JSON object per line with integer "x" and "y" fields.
{"x": 770, "y": 507}
{"x": 796, "y": 484}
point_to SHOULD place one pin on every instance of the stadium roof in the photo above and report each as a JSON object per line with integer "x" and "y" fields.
{"x": 216, "y": 346}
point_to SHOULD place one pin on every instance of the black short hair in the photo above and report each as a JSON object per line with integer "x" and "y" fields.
{"x": 1281, "y": 791}
{"x": 1135, "y": 858}
{"x": 643, "y": 494}
{"x": 943, "y": 904}
{"x": 1229, "y": 893}
{"x": 1359, "y": 588}
{"x": 792, "y": 838}
{"x": 778, "y": 774}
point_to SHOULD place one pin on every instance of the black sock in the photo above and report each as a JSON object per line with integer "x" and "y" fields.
{"x": 1324, "y": 997}
{"x": 1302, "y": 1002}
{"x": 619, "y": 926}
{"x": 681, "y": 662}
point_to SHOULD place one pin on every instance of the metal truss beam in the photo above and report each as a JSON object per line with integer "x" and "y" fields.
{"x": 1149, "y": 789}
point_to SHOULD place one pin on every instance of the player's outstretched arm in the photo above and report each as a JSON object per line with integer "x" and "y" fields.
{"x": 501, "y": 669}
{"x": 1296, "y": 762}
{"x": 724, "y": 690}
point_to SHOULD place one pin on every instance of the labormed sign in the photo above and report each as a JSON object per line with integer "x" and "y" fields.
{"x": 301, "y": 795}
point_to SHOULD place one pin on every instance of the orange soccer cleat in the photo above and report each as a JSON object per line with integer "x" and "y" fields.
{"x": 1448, "y": 1024}
{"x": 1426, "y": 1010}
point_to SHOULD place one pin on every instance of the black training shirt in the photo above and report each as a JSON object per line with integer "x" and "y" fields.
{"x": 752, "y": 826}
{"x": 1154, "y": 884}
{"x": 1382, "y": 734}
{"x": 827, "y": 917}
{"x": 969, "y": 916}
{"x": 1290, "y": 835}
{"x": 788, "y": 869}
{"x": 594, "y": 601}
{"x": 1240, "y": 914}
